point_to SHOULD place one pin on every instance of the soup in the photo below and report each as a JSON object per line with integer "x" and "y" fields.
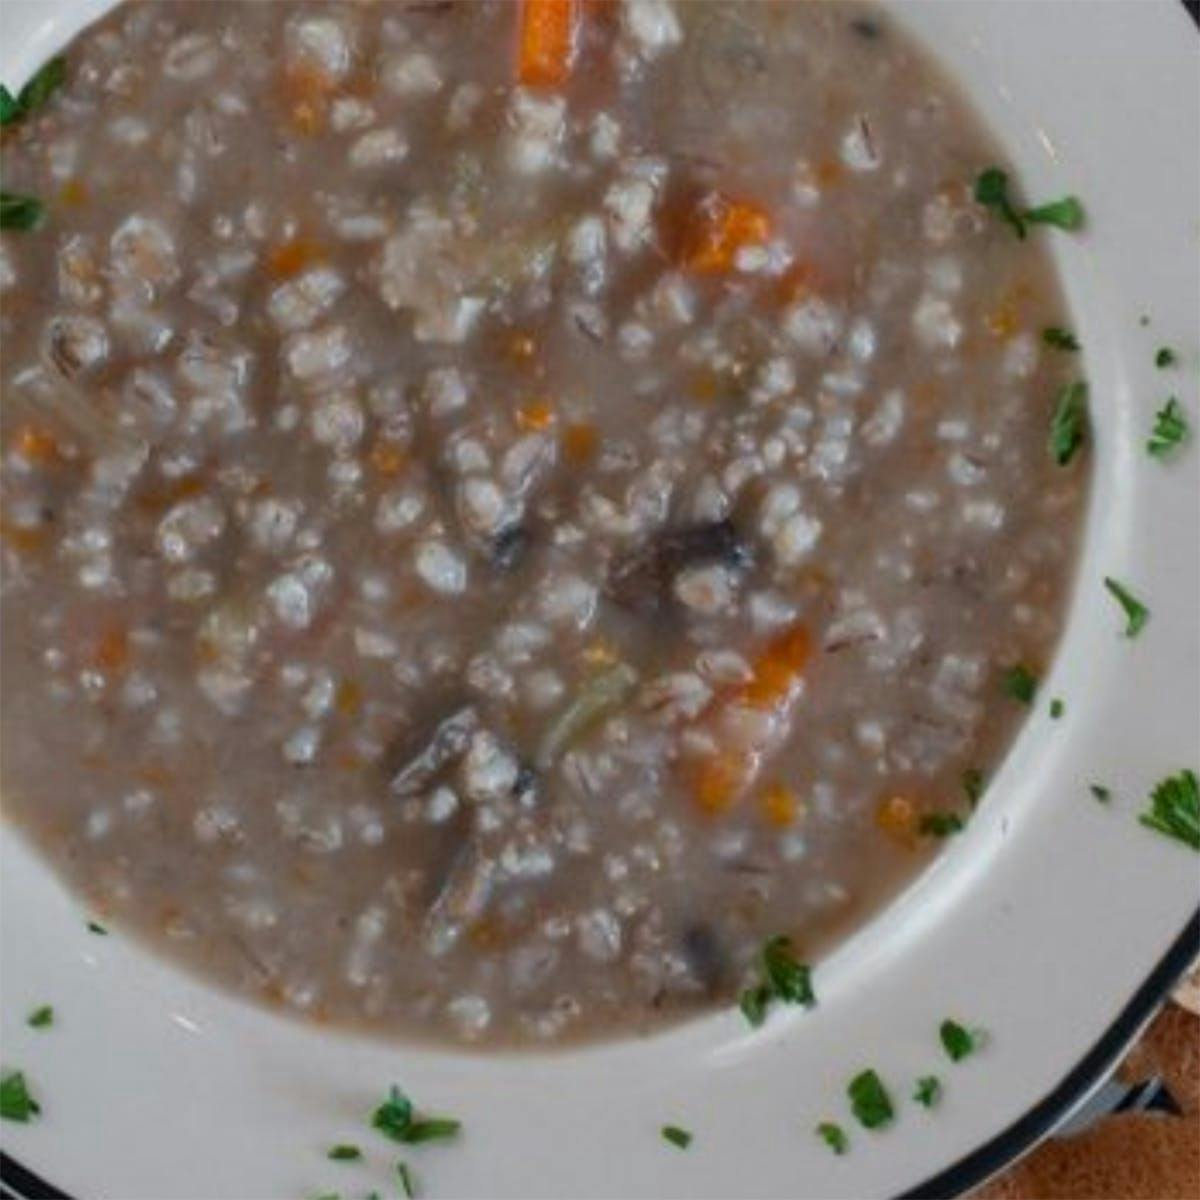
{"x": 506, "y": 508}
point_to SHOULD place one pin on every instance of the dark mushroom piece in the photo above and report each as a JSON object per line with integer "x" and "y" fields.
{"x": 642, "y": 579}
{"x": 509, "y": 547}
{"x": 705, "y": 956}
{"x": 419, "y": 762}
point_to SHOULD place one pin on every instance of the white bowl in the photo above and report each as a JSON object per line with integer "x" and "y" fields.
{"x": 1055, "y": 922}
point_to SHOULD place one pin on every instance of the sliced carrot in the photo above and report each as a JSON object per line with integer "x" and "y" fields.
{"x": 546, "y": 41}
{"x": 38, "y": 445}
{"x": 777, "y": 669}
{"x": 897, "y": 817}
{"x": 112, "y": 650}
{"x": 349, "y": 698}
{"x": 306, "y": 92}
{"x": 535, "y": 416}
{"x": 387, "y": 458}
{"x": 718, "y": 228}
{"x": 23, "y": 537}
{"x": 780, "y": 805}
{"x": 580, "y": 442}
{"x": 718, "y": 779}
{"x": 291, "y": 257}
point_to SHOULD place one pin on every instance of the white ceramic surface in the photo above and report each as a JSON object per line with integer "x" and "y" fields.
{"x": 1038, "y": 923}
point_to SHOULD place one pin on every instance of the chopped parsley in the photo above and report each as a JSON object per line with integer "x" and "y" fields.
{"x": 991, "y": 190}
{"x": 928, "y": 1090}
{"x": 1175, "y": 809}
{"x": 784, "y": 978}
{"x": 940, "y": 824}
{"x": 41, "y": 1017}
{"x": 869, "y": 1100}
{"x": 1020, "y": 683}
{"x": 16, "y": 1104}
{"x": 395, "y": 1118}
{"x": 958, "y": 1041}
{"x": 754, "y": 1002}
{"x": 345, "y": 1153}
{"x": 1170, "y": 429}
{"x": 1103, "y": 794}
{"x": 1066, "y": 213}
{"x": 96, "y": 928}
{"x": 20, "y": 212}
{"x": 1068, "y": 422}
{"x": 1057, "y": 708}
{"x": 406, "y": 1180}
{"x": 789, "y": 979}
{"x": 676, "y": 1136}
{"x": 1165, "y": 357}
{"x": 45, "y": 81}
{"x": 1136, "y": 613}
{"x": 973, "y": 784}
{"x": 834, "y": 1136}
{"x": 1059, "y": 338}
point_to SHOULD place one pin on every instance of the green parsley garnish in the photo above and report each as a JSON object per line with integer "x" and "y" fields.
{"x": 940, "y": 824}
{"x": 676, "y": 1136}
{"x": 928, "y": 1090}
{"x": 789, "y": 979}
{"x": 754, "y": 1002}
{"x": 96, "y": 928}
{"x": 35, "y": 93}
{"x": 1068, "y": 422}
{"x": 1066, "y": 213}
{"x": 1170, "y": 429}
{"x": 959, "y": 1042}
{"x": 1057, "y": 708}
{"x": 395, "y": 1119}
{"x": 1020, "y": 683}
{"x": 406, "y": 1179}
{"x": 41, "y": 1017}
{"x": 20, "y": 212}
{"x": 834, "y": 1136}
{"x": 1175, "y": 809}
{"x": 16, "y": 1104}
{"x": 973, "y": 784}
{"x": 1103, "y": 794}
{"x": 991, "y": 190}
{"x": 345, "y": 1153}
{"x": 1136, "y": 613}
{"x": 1059, "y": 338}
{"x": 869, "y": 1100}
{"x": 784, "y": 978}
{"x": 1165, "y": 357}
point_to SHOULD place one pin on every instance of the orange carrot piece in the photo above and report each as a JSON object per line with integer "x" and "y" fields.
{"x": 535, "y": 416}
{"x": 897, "y": 817}
{"x": 387, "y": 458}
{"x": 37, "y": 445}
{"x": 719, "y": 227}
{"x": 290, "y": 258}
{"x": 719, "y": 778}
{"x": 777, "y": 669}
{"x": 579, "y": 442}
{"x": 780, "y": 805}
{"x": 546, "y": 43}
{"x": 112, "y": 650}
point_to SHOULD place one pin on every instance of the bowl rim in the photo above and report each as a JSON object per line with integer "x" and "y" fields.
{"x": 1042, "y": 1115}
